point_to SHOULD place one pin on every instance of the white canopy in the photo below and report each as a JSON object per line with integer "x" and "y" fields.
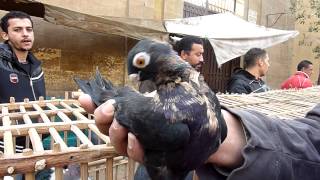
{"x": 229, "y": 35}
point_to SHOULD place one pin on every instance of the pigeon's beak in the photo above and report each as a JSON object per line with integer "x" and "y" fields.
{"x": 134, "y": 77}
{"x": 134, "y": 81}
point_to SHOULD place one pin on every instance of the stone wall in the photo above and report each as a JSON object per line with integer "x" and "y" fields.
{"x": 305, "y": 43}
{"x": 67, "y": 53}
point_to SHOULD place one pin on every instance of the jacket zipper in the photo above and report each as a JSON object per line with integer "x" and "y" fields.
{"x": 32, "y": 89}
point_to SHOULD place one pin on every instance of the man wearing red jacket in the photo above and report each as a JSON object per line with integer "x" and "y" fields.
{"x": 301, "y": 79}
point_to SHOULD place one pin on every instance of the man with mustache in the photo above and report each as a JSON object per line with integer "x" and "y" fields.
{"x": 191, "y": 50}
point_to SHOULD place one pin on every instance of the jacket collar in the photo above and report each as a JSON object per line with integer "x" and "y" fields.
{"x": 245, "y": 73}
{"x": 13, "y": 58}
{"x": 301, "y": 73}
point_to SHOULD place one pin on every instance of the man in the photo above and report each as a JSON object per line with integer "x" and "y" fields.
{"x": 301, "y": 79}
{"x": 191, "y": 50}
{"x": 21, "y": 73}
{"x": 256, "y": 146}
{"x": 248, "y": 80}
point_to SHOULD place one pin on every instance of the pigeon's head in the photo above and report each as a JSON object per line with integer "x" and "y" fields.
{"x": 150, "y": 59}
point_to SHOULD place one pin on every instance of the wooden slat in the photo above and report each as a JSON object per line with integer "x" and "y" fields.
{"x": 7, "y": 135}
{"x": 92, "y": 127}
{"x": 58, "y": 170}
{"x": 84, "y": 171}
{"x": 109, "y": 169}
{"x": 42, "y": 128}
{"x": 21, "y": 163}
{"x": 53, "y": 132}
{"x": 33, "y": 134}
{"x": 83, "y": 138}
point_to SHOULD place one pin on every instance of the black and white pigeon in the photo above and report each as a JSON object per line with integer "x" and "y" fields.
{"x": 179, "y": 124}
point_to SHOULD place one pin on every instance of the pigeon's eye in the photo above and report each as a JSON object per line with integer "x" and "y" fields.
{"x": 141, "y": 60}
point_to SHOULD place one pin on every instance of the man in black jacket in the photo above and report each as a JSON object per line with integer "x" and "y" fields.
{"x": 21, "y": 73}
{"x": 248, "y": 80}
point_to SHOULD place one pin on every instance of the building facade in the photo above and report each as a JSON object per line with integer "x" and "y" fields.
{"x": 68, "y": 52}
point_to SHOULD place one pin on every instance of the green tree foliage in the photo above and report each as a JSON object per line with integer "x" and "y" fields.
{"x": 307, "y": 12}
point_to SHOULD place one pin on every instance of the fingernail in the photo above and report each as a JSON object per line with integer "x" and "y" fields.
{"x": 107, "y": 109}
{"x": 130, "y": 141}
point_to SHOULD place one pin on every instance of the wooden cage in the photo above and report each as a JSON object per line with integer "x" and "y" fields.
{"x": 89, "y": 149}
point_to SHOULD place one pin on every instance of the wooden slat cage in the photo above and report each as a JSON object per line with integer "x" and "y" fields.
{"x": 90, "y": 149}
{"x": 284, "y": 104}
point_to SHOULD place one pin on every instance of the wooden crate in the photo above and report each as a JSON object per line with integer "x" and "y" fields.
{"x": 57, "y": 118}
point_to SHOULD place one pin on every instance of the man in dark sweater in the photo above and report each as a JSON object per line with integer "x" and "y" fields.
{"x": 248, "y": 80}
{"x": 256, "y": 146}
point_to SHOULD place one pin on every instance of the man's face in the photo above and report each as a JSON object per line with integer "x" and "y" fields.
{"x": 194, "y": 57}
{"x": 264, "y": 66}
{"x": 308, "y": 70}
{"x": 20, "y": 34}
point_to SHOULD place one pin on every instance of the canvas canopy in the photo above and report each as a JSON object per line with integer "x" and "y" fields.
{"x": 129, "y": 27}
{"x": 229, "y": 35}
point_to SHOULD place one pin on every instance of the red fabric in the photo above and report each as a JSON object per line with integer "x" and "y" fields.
{"x": 299, "y": 80}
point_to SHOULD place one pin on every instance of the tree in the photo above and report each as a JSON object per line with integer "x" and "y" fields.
{"x": 307, "y": 12}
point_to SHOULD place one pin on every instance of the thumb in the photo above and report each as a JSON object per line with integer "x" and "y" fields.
{"x": 135, "y": 150}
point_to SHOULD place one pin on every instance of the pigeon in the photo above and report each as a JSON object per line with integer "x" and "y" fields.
{"x": 178, "y": 121}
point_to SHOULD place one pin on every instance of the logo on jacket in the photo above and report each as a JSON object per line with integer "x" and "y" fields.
{"x": 14, "y": 78}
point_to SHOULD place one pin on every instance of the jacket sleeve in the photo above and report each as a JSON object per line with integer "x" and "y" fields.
{"x": 238, "y": 87}
{"x": 308, "y": 83}
{"x": 314, "y": 113}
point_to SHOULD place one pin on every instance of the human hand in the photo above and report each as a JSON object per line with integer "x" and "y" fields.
{"x": 124, "y": 142}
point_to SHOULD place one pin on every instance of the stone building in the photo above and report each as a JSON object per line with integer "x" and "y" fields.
{"x": 67, "y": 52}
{"x": 69, "y": 48}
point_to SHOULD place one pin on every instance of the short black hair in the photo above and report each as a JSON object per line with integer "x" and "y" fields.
{"x": 303, "y": 64}
{"x": 251, "y": 57}
{"x": 185, "y": 44}
{"x": 11, "y": 15}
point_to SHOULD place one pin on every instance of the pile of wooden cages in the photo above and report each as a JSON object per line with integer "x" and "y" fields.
{"x": 89, "y": 149}
{"x": 284, "y": 104}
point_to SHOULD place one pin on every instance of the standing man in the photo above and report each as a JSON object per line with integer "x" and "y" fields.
{"x": 301, "y": 79}
{"x": 248, "y": 80}
{"x": 21, "y": 73}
